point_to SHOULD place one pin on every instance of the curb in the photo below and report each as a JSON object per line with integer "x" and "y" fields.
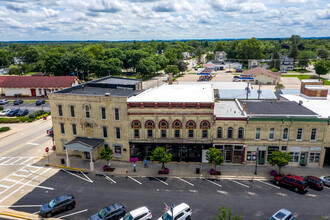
{"x": 64, "y": 167}
{"x": 18, "y": 215}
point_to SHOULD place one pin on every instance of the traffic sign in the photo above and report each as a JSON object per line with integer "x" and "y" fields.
{"x": 46, "y": 149}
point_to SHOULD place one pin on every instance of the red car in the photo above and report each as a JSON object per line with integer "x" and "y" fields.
{"x": 314, "y": 182}
{"x": 297, "y": 183}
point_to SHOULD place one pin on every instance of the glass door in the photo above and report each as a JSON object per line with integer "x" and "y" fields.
{"x": 183, "y": 153}
{"x": 261, "y": 157}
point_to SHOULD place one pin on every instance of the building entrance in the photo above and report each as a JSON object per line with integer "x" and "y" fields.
{"x": 327, "y": 157}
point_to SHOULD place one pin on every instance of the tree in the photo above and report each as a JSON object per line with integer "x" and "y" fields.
{"x": 276, "y": 63}
{"x": 322, "y": 67}
{"x": 210, "y": 56}
{"x": 214, "y": 156}
{"x": 4, "y": 58}
{"x": 226, "y": 214}
{"x": 31, "y": 55}
{"x": 106, "y": 154}
{"x": 94, "y": 51}
{"x": 15, "y": 71}
{"x": 199, "y": 53}
{"x": 172, "y": 69}
{"x": 249, "y": 49}
{"x": 220, "y": 46}
{"x": 182, "y": 66}
{"x": 280, "y": 159}
{"x": 323, "y": 53}
{"x": 160, "y": 155}
{"x": 146, "y": 68}
{"x": 279, "y": 87}
{"x": 304, "y": 58}
{"x": 294, "y": 49}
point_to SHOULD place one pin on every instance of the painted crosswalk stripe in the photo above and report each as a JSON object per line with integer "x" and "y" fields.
{"x": 268, "y": 184}
{"x": 240, "y": 183}
{"x": 161, "y": 181}
{"x": 25, "y": 161}
{"x": 185, "y": 181}
{"x": 108, "y": 178}
{"x": 15, "y": 161}
{"x": 3, "y": 158}
{"x": 6, "y": 161}
{"x": 212, "y": 182}
{"x": 134, "y": 180}
{"x": 75, "y": 213}
{"x": 33, "y": 144}
{"x": 4, "y": 186}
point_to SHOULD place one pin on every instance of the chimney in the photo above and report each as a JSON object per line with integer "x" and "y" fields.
{"x": 300, "y": 102}
{"x": 170, "y": 78}
{"x": 107, "y": 94}
{"x": 244, "y": 106}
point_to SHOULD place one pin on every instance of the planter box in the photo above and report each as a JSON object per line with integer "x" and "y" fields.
{"x": 215, "y": 173}
{"x": 162, "y": 172}
{"x": 110, "y": 169}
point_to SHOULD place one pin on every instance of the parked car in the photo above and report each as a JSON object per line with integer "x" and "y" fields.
{"x": 283, "y": 71}
{"x": 142, "y": 213}
{"x": 228, "y": 71}
{"x": 22, "y": 112}
{"x": 325, "y": 180}
{"x": 239, "y": 70}
{"x": 4, "y": 101}
{"x": 180, "y": 212}
{"x": 5, "y": 112}
{"x": 282, "y": 214}
{"x": 298, "y": 183}
{"x": 236, "y": 78}
{"x": 40, "y": 102}
{"x": 314, "y": 182}
{"x": 57, "y": 205}
{"x": 50, "y": 132}
{"x": 13, "y": 112}
{"x": 111, "y": 212}
{"x": 18, "y": 102}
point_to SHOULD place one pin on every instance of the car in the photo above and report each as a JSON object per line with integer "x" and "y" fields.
{"x": 239, "y": 70}
{"x": 325, "y": 180}
{"x": 142, "y": 213}
{"x": 196, "y": 68}
{"x": 283, "y": 71}
{"x": 282, "y": 214}
{"x": 18, "y": 102}
{"x": 4, "y": 101}
{"x": 22, "y": 112}
{"x": 13, "y": 112}
{"x": 180, "y": 212}
{"x": 228, "y": 71}
{"x": 59, "y": 204}
{"x": 50, "y": 132}
{"x": 111, "y": 212}
{"x": 298, "y": 183}
{"x": 40, "y": 102}
{"x": 5, "y": 112}
{"x": 314, "y": 182}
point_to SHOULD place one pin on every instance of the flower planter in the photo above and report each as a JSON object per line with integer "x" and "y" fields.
{"x": 108, "y": 169}
{"x": 214, "y": 172}
{"x": 273, "y": 173}
{"x": 164, "y": 171}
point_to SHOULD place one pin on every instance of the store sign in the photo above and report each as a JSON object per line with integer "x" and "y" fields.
{"x": 294, "y": 149}
{"x": 273, "y": 148}
{"x": 315, "y": 149}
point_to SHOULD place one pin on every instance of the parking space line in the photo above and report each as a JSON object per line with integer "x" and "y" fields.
{"x": 160, "y": 181}
{"x": 268, "y": 184}
{"x": 240, "y": 183}
{"x": 326, "y": 187}
{"x": 185, "y": 181}
{"x": 32, "y": 143}
{"x": 75, "y": 213}
{"x": 42, "y": 187}
{"x": 134, "y": 180}
{"x": 109, "y": 179}
{"x": 86, "y": 177}
{"x": 212, "y": 182}
{"x": 88, "y": 180}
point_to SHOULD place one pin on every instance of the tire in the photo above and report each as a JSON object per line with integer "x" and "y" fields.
{"x": 49, "y": 214}
{"x": 277, "y": 182}
{"x": 296, "y": 189}
{"x": 70, "y": 207}
{"x": 188, "y": 218}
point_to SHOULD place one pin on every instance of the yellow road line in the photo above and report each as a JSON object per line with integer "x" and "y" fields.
{"x": 71, "y": 168}
{"x": 16, "y": 215}
{"x": 15, "y": 148}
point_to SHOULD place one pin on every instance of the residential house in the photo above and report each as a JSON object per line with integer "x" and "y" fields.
{"x": 220, "y": 55}
{"x": 253, "y": 63}
{"x": 286, "y": 63}
{"x": 263, "y": 76}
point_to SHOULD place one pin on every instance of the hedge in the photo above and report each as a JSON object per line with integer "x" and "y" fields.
{"x": 36, "y": 114}
{"x": 9, "y": 120}
{"x": 2, "y": 129}
{"x": 1, "y": 107}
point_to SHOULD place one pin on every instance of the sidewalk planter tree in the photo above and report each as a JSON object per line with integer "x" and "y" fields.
{"x": 226, "y": 214}
{"x": 280, "y": 159}
{"x": 214, "y": 156}
{"x": 106, "y": 154}
{"x": 160, "y": 155}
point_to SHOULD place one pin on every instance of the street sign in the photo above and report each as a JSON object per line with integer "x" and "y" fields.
{"x": 46, "y": 149}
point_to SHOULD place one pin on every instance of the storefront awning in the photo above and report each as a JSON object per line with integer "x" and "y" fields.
{"x": 83, "y": 144}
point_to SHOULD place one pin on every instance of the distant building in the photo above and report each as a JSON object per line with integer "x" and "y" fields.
{"x": 253, "y": 63}
{"x": 185, "y": 55}
{"x": 263, "y": 76}
{"x": 220, "y": 55}
{"x": 286, "y": 63}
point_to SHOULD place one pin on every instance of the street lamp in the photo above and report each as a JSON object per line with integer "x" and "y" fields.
{"x": 255, "y": 171}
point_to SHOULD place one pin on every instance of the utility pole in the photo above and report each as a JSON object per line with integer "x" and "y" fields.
{"x": 247, "y": 91}
{"x": 259, "y": 91}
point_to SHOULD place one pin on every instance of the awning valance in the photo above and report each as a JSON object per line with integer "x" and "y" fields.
{"x": 83, "y": 144}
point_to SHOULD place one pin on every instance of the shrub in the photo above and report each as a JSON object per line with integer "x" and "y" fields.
{"x": 23, "y": 119}
{"x": 4, "y": 129}
{"x": 31, "y": 120}
{"x": 1, "y": 107}
{"x": 314, "y": 77}
{"x": 36, "y": 114}
{"x": 9, "y": 120}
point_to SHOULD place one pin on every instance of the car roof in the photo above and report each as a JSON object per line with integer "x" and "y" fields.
{"x": 139, "y": 211}
{"x": 296, "y": 177}
{"x": 314, "y": 178}
{"x": 178, "y": 208}
{"x": 282, "y": 211}
{"x": 69, "y": 196}
{"x": 115, "y": 206}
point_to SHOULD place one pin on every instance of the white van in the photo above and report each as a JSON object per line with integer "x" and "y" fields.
{"x": 180, "y": 212}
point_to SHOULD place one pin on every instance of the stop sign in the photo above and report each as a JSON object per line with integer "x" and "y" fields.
{"x": 46, "y": 149}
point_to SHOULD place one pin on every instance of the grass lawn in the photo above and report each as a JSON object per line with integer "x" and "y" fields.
{"x": 301, "y": 77}
{"x": 30, "y": 73}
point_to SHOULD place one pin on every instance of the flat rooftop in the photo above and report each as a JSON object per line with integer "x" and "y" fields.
{"x": 231, "y": 94}
{"x": 220, "y": 85}
{"x": 225, "y": 109}
{"x": 193, "y": 93}
{"x": 116, "y": 80}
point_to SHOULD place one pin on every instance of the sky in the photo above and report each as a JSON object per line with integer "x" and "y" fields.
{"x": 116, "y": 20}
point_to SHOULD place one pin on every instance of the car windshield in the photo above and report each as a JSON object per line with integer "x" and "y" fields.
{"x": 280, "y": 215}
{"x": 52, "y": 203}
{"x": 166, "y": 216}
{"x": 128, "y": 216}
{"x": 103, "y": 212}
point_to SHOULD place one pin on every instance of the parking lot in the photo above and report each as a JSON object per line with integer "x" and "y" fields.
{"x": 253, "y": 199}
{"x": 31, "y": 106}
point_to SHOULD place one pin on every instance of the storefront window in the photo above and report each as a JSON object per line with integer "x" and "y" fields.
{"x": 294, "y": 156}
{"x": 118, "y": 151}
{"x": 314, "y": 157}
{"x": 251, "y": 156}
{"x": 270, "y": 151}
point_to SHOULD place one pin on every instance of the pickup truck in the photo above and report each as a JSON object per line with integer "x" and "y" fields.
{"x": 297, "y": 183}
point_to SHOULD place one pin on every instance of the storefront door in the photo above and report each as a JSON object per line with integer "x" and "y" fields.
{"x": 261, "y": 157}
{"x": 87, "y": 155}
{"x": 303, "y": 158}
{"x": 183, "y": 153}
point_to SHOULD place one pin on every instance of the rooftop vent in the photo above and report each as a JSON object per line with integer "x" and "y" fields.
{"x": 107, "y": 94}
{"x": 300, "y": 102}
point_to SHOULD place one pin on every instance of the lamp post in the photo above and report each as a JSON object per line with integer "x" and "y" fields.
{"x": 255, "y": 171}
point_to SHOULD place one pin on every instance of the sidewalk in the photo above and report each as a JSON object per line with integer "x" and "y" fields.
{"x": 187, "y": 170}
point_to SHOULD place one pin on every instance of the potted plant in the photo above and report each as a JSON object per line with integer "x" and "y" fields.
{"x": 166, "y": 171}
{"x": 273, "y": 172}
{"x": 214, "y": 157}
{"x": 160, "y": 154}
{"x": 106, "y": 154}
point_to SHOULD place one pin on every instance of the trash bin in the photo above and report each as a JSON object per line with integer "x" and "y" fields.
{"x": 62, "y": 161}
{"x": 197, "y": 170}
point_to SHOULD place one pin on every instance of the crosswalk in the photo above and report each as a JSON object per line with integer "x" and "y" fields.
{"x": 20, "y": 161}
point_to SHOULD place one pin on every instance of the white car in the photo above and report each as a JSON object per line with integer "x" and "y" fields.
{"x": 282, "y": 214}
{"x": 325, "y": 180}
{"x": 142, "y": 213}
{"x": 5, "y": 112}
{"x": 4, "y": 101}
{"x": 180, "y": 212}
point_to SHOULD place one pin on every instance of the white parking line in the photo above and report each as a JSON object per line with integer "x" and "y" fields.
{"x": 42, "y": 187}
{"x": 222, "y": 192}
{"x": 240, "y": 183}
{"x": 75, "y": 213}
{"x": 86, "y": 177}
{"x": 268, "y": 184}
{"x": 185, "y": 181}
{"x": 212, "y": 182}
{"x": 109, "y": 179}
{"x": 134, "y": 180}
{"x": 326, "y": 187}
{"x": 32, "y": 143}
{"x": 160, "y": 181}
{"x": 88, "y": 180}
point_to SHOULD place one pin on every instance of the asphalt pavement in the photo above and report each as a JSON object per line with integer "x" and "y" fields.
{"x": 31, "y": 106}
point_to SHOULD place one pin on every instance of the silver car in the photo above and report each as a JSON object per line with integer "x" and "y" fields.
{"x": 4, "y": 101}
{"x": 5, "y": 112}
{"x": 325, "y": 180}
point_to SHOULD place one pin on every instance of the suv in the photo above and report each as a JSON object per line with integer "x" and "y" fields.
{"x": 314, "y": 182}
{"x": 180, "y": 212}
{"x": 22, "y": 113}
{"x": 13, "y": 112}
{"x": 18, "y": 102}
{"x": 40, "y": 102}
{"x": 298, "y": 183}
{"x": 58, "y": 204}
{"x": 282, "y": 214}
{"x": 114, "y": 211}
{"x": 142, "y": 213}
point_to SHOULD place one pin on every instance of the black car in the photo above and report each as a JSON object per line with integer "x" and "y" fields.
{"x": 13, "y": 112}
{"x": 23, "y": 112}
{"x": 18, "y": 102}
{"x": 314, "y": 182}
{"x": 40, "y": 102}
{"x": 111, "y": 212}
{"x": 57, "y": 205}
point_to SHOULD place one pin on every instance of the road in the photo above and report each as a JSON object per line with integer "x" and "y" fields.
{"x": 252, "y": 199}
{"x": 31, "y": 106}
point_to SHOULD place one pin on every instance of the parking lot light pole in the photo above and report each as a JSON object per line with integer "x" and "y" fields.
{"x": 255, "y": 171}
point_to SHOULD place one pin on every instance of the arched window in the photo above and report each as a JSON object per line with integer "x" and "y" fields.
{"x": 191, "y": 125}
{"x": 177, "y": 125}
{"x": 163, "y": 126}
{"x": 240, "y": 133}
{"x": 136, "y": 125}
{"x": 230, "y": 133}
{"x": 149, "y": 125}
{"x": 87, "y": 111}
{"x": 219, "y": 132}
{"x": 285, "y": 134}
{"x": 205, "y": 126}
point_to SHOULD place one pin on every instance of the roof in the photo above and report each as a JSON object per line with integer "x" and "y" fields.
{"x": 310, "y": 80}
{"x": 231, "y": 94}
{"x": 83, "y": 144}
{"x": 193, "y": 93}
{"x": 37, "y": 81}
{"x": 139, "y": 211}
{"x": 262, "y": 71}
{"x": 219, "y": 85}
{"x": 178, "y": 209}
{"x": 276, "y": 108}
{"x": 116, "y": 80}
{"x": 228, "y": 109}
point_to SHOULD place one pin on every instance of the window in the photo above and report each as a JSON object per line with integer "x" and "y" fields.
{"x": 219, "y": 132}
{"x": 251, "y": 156}
{"x": 62, "y": 128}
{"x": 106, "y": 145}
{"x": 258, "y": 134}
{"x": 163, "y": 133}
{"x": 149, "y": 133}
{"x": 87, "y": 113}
{"x": 191, "y": 125}
{"x": 240, "y": 133}
{"x": 314, "y": 157}
{"x": 105, "y": 131}
{"x": 149, "y": 125}
{"x": 177, "y": 127}
{"x": 177, "y": 133}
{"x": 284, "y": 148}
{"x": 103, "y": 115}
{"x": 270, "y": 151}
{"x": 294, "y": 156}
{"x": 313, "y": 134}
{"x": 179, "y": 216}
{"x": 204, "y": 134}
{"x": 163, "y": 126}
{"x": 285, "y": 134}
{"x": 60, "y": 112}
{"x": 117, "y": 114}
{"x": 230, "y": 133}
{"x": 74, "y": 129}
{"x": 136, "y": 125}
{"x": 118, "y": 133}
{"x": 118, "y": 151}
{"x": 136, "y": 133}
{"x": 190, "y": 133}
{"x": 299, "y": 134}
{"x": 72, "y": 111}
{"x": 271, "y": 133}
{"x": 205, "y": 125}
